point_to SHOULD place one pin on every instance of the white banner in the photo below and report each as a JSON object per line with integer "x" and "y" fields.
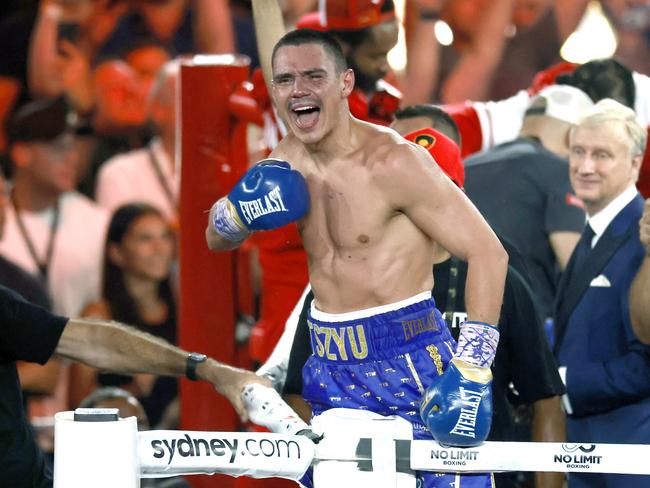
{"x": 166, "y": 453}
{"x": 532, "y": 456}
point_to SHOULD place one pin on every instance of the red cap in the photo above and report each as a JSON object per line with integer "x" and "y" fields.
{"x": 345, "y": 15}
{"x": 444, "y": 151}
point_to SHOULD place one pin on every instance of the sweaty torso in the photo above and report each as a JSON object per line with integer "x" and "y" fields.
{"x": 363, "y": 250}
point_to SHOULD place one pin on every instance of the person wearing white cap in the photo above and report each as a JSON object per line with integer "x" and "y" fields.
{"x": 522, "y": 188}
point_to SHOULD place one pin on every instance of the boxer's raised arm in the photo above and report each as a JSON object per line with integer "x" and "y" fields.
{"x": 269, "y": 28}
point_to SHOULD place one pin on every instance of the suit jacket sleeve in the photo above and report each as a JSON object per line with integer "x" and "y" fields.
{"x": 598, "y": 387}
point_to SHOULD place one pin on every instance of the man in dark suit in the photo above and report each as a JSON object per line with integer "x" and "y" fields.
{"x": 605, "y": 368}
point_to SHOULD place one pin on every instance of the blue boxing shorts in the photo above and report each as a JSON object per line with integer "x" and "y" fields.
{"x": 381, "y": 359}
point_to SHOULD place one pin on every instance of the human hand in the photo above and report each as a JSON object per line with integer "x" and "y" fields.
{"x": 267, "y": 408}
{"x": 230, "y": 382}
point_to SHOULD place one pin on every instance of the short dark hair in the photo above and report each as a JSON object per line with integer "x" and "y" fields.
{"x": 603, "y": 78}
{"x": 440, "y": 120}
{"x": 310, "y": 36}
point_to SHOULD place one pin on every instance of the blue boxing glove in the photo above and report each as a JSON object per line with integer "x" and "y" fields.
{"x": 457, "y": 406}
{"x": 268, "y": 196}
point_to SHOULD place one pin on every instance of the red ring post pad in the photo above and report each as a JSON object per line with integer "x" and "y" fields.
{"x": 96, "y": 415}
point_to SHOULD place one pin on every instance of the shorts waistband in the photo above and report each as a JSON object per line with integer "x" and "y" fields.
{"x": 365, "y": 335}
{"x": 367, "y": 312}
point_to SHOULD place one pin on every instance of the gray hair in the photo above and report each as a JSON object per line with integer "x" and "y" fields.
{"x": 161, "y": 90}
{"x": 610, "y": 110}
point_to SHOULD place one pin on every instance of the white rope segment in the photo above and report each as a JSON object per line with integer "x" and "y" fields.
{"x": 109, "y": 454}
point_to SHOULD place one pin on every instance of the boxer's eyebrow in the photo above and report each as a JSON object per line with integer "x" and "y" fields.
{"x": 310, "y": 73}
{"x": 314, "y": 71}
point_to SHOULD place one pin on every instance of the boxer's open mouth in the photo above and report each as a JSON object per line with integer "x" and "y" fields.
{"x": 306, "y": 116}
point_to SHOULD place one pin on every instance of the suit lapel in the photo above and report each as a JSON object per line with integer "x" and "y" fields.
{"x": 570, "y": 291}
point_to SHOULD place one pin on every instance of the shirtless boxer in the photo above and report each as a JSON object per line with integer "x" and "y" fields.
{"x": 370, "y": 207}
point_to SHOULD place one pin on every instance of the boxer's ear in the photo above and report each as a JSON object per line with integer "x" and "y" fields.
{"x": 348, "y": 82}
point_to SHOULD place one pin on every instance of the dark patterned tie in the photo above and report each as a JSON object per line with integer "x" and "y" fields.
{"x": 582, "y": 250}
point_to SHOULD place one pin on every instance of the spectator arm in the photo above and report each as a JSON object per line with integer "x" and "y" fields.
{"x": 269, "y": 28}
{"x": 213, "y": 31}
{"x": 548, "y": 426}
{"x": 422, "y": 56}
{"x": 471, "y": 77}
{"x": 568, "y": 14}
{"x": 43, "y": 77}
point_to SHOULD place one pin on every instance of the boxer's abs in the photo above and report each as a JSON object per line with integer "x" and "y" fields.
{"x": 346, "y": 278}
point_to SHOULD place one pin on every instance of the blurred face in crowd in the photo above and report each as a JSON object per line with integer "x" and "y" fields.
{"x": 309, "y": 91}
{"x": 120, "y": 99}
{"x": 146, "y": 61}
{"x": 147, "y": 249}
{"x": 601, "y": 164}
{"x": 369, "y": 60}
{"x": 50, "y": 166}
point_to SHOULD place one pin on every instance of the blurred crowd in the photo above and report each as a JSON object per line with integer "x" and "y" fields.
{"x": 88, "y": 116}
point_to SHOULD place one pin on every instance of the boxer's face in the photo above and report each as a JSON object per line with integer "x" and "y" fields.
{"x": 147, "y": 249}
{"x": 308, "y": 91}
{"x": 601, "y": 165}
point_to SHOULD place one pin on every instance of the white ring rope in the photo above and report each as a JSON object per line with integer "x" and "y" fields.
{"x": 93, "y": 453}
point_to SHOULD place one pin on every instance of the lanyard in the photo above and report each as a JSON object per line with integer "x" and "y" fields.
{"x": 161, "y": 179}
{"x": 41, "y": 265}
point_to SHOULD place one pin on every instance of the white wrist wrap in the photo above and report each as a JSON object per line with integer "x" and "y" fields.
{"x": 226, "y": 221}
{"x": 477, "y": 343}
{"x": 267, "y": 408}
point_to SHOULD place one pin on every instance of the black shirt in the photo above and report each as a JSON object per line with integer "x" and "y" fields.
{"x": 23, "y": 283}
{"x": 524, "y": 192}
{"x": 523, "y": 357}
{"x": 29, "y": 333}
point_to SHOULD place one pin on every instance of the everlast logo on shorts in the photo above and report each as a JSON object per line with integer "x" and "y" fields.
{"x": 189, "y": 447}
{"x": 338, "y": 343}
{"x": 270, "y": 203}
{"x": 419, "y": 325}
{"x": 467, "y": 420}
